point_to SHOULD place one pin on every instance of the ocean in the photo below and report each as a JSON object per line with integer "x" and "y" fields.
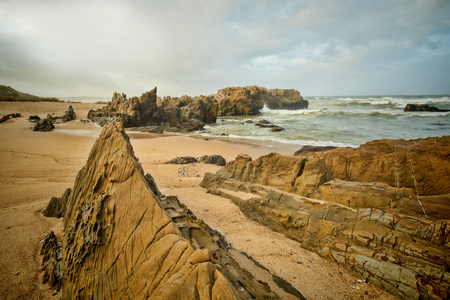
{"x": 336, "y": 121}
{"x": 343, "y": 121}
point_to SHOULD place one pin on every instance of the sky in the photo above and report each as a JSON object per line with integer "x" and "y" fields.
{"x": 64, "y": 48}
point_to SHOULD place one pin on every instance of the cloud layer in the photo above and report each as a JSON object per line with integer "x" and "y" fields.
{"x": 349, "y": 47}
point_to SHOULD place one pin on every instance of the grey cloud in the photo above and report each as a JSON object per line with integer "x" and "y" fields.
{"x": 196, "y": 47}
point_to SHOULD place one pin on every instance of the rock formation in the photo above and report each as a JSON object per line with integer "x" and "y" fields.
{"x": 251, "y": 99}
{"x": 10, "y": 116}
{"x": 69, "y": 115}
{"x": 422, "y": 107}
{"x": 207, "y": 159}
{"x": 192, "y": 113}
{"x": 380, "y": 210}
{"x": 123, "y": 238}
{"x": 57, "y": 206}
{"x": 285, "y": 99}
{"x": 174, "y": 114}
{"x": 44, "y": 125}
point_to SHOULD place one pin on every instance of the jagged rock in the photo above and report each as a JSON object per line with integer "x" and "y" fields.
{"x": 57, "y": 206}
{"x": 52, "y": 261}
{"x": 134, "y": 112}
{"x": 422, "y": 107}
{"x": 202, "y": 108}
{"x": 357, "y": 207}
{"x": 285, "y": 99}
{"x": 307, "y": 148}
{"x": 44, "y": 125}
{"x": 69, "y": 115}
{"x": 10, "y": 116}
{"x": 123, "y": 239}
{"x": 213, "y": 159}
{"x": 181, "y": 160}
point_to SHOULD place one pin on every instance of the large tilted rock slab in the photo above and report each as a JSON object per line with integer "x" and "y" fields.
{"x": 123, "y": 239}
{"x": 374, "y": 225}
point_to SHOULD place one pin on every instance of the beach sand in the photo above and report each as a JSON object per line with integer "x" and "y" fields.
{"x": 36, "y": 166}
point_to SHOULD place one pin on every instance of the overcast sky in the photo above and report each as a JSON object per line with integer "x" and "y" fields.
{"x": 346, "y": 47}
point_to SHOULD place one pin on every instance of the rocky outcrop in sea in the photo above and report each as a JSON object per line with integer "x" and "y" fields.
{"x": 380, "y": 210}
{"x": 192, "y": 113}
{"x": 124, "y": 239}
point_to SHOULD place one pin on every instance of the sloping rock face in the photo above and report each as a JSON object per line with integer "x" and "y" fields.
{"x": 363, "y": 208}
{"x": 250, "y": 100}
{"x": 123, "y": 239}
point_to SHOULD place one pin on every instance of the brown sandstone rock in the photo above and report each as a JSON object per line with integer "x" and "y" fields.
{"x": 234, "y": 101}
{"x": 124, "y": 239}
{"x": 357, "y": 207}
{"x": 250, "y": 100}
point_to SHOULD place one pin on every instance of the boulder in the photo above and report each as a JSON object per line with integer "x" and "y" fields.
{"x": 69, "y": 115}
{"x": 422, "y": 107}
{"x": 181, "y": 160}
{"x": 44, "y": 125}
{"x": 213, "y": 159}
{"x": 122, "y": 238}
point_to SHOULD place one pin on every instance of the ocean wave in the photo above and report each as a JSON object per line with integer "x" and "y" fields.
{"x": 269, "y": 138}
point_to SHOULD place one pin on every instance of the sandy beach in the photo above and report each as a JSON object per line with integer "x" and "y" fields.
{"x": 36, "y": 166}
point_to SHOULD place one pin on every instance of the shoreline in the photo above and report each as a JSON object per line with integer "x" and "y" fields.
{"x": 39, "y": 165}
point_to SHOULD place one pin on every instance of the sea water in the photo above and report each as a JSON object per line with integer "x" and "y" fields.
{"x": 335, "y": 121}
{"x": 343, "y": 121}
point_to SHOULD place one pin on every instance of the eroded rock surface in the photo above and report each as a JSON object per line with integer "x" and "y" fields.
{"x": 123, "y": 239}
{"x": 250, "y": 100}
{"x": 363, "y": 208}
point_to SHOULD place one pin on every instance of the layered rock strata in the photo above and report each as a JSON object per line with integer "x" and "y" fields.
{"x": 123, "y": 238}
{"x": 380, "y": 210}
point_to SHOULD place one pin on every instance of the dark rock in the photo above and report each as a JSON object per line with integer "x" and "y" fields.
{"x": 10, "y": 116}
{"x": 276, "y": 128}
{"x": 308, "y": 148}
{"x": 69, "y": 115}
{"x": 181, "y": 160}
{"x": 423, "y": 107}
{"x": 34, "y": 119}
{"x": 149, "y": 129}
{"x": 52, "y": 261}
{"x": 57, "y": 206}
{"x": 213, "y": 159}
{"x": 44, "y": 125}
